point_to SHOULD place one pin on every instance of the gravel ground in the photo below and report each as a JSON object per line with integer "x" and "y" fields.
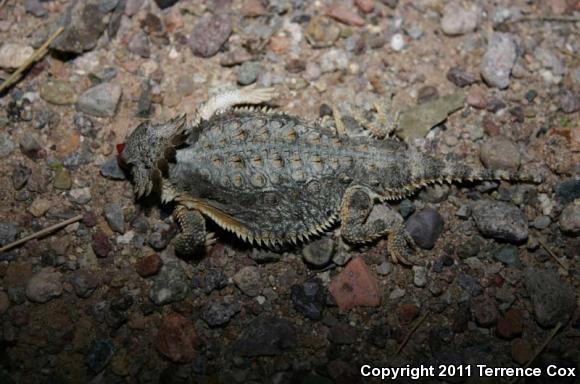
{"x": 105, "y": 300}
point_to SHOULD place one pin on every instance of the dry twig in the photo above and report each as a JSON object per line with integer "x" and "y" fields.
{"x": 539, "y": 350}
{"x": 571, "y": 19}
{"x": 41, "y": 233}
{"x": 562, "y": 264}
{"x": 411, "y": 332}
{"x": 38, "y": 54}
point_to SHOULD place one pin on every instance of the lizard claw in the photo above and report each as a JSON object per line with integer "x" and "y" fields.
{"x": 402, "y": 247}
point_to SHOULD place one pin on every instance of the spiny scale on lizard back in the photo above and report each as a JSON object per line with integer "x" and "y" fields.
{"x": 256, "y": 150}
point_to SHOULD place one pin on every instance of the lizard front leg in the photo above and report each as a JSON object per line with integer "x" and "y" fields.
{"x": 384, "y": 123}
{"x": 357, "y": 226}
{"x": 193, "y": 239}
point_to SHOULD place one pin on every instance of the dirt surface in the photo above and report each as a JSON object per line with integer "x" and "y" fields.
{"x": 106, "y": 299}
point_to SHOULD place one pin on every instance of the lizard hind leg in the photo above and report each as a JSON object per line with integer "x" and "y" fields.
{"x": 193, "y": 239}
{"x": 227, "y": 99}
{"x": 360, "y": 225}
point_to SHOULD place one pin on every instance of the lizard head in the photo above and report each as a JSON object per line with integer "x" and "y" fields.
{"x": 148, "y": 151}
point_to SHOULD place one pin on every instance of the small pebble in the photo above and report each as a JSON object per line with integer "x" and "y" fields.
{"x": 500, "y": 153}
{"x": 217, "y": 314}
{"x": 425, "y": 227}
{"x": 115, "y": 218}
{"x": 309, "y": 298}
{"x": 398, "y": 42}
{"x": 508, "y": 255}
{"x": 209, "y": 34}
{"x": 139, "y": 44}
{"x": 39, "y": 206}
{"x": 81, "y": 195}
{"x": 569, "y": 101}
{"x": 248, "y": 72}
{"x": 6, "y": 145}
{"x": 458, "y": 19}
{"x": 460, "y": 77}
{"x": 249, "y": 281}
{"x": 419, "y": 276}
{"x": 58, "y": 92}
{"x": 500, "y": 220}
{"x": 84, "y": 283}
{"x": 13, "y": 55}
{"x": 30, "y": 147}
{"x": 333, "y": 60}
{"x": 111, "y": 170}
{"x": 384, "y": 268}
{"x": 62, "y": 179}
{"x": 345, "y": 15}
{"x": 319, "y": 253}
{"x": 321, "y": 32}
{"x": 570, "y": 218}
{"x": 170, "y": 285}
{"x": 149, "y": 265}
{"x": 101, "y": 245}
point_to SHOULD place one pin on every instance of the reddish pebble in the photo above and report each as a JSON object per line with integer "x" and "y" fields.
{"x": 367, "y": 6}
{"x": 477, "y": 98}
{"x": 491, "y": 127}
{"x": 408, "y": 313}
{"x": 176, "y": 339}
{"x": 279, "y": 44}
{"x": 485, "y": 311}
{"x": 345, "y": 15}
{"x": 149, "y": 265}
{"x": 89, "y": 219}
{"x": 355, "y": 286}
{"x": 521, "y": 351}
{"x": 253, "y": 8}
{"x": 101, "y": 245}
{"x": 511, "y": 325}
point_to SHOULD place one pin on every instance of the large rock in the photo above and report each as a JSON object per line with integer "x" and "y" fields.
{"x": 171, "y": 285}
{"x": 570, "y": 218}
{"x": 209, "y": 34}
{"x": 13, "y": 55}
{"x": 100, "y": 100}
{"x": 176, "y": 339}
{"x": 84, "y": 22}
{"x": 425, "y": 227}
{"x": 458, "y": 20}
{"x": 500, "y": 220}
{"x": 355, "y": 286}
{"x": 44, "y": 286}
{"x": 553, "y": 300}
{"x": 500, "y": 153}
{"x": 498, "y": 60}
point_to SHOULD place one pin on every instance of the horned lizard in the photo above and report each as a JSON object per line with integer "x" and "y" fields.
{"x": 272, "y": 178}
